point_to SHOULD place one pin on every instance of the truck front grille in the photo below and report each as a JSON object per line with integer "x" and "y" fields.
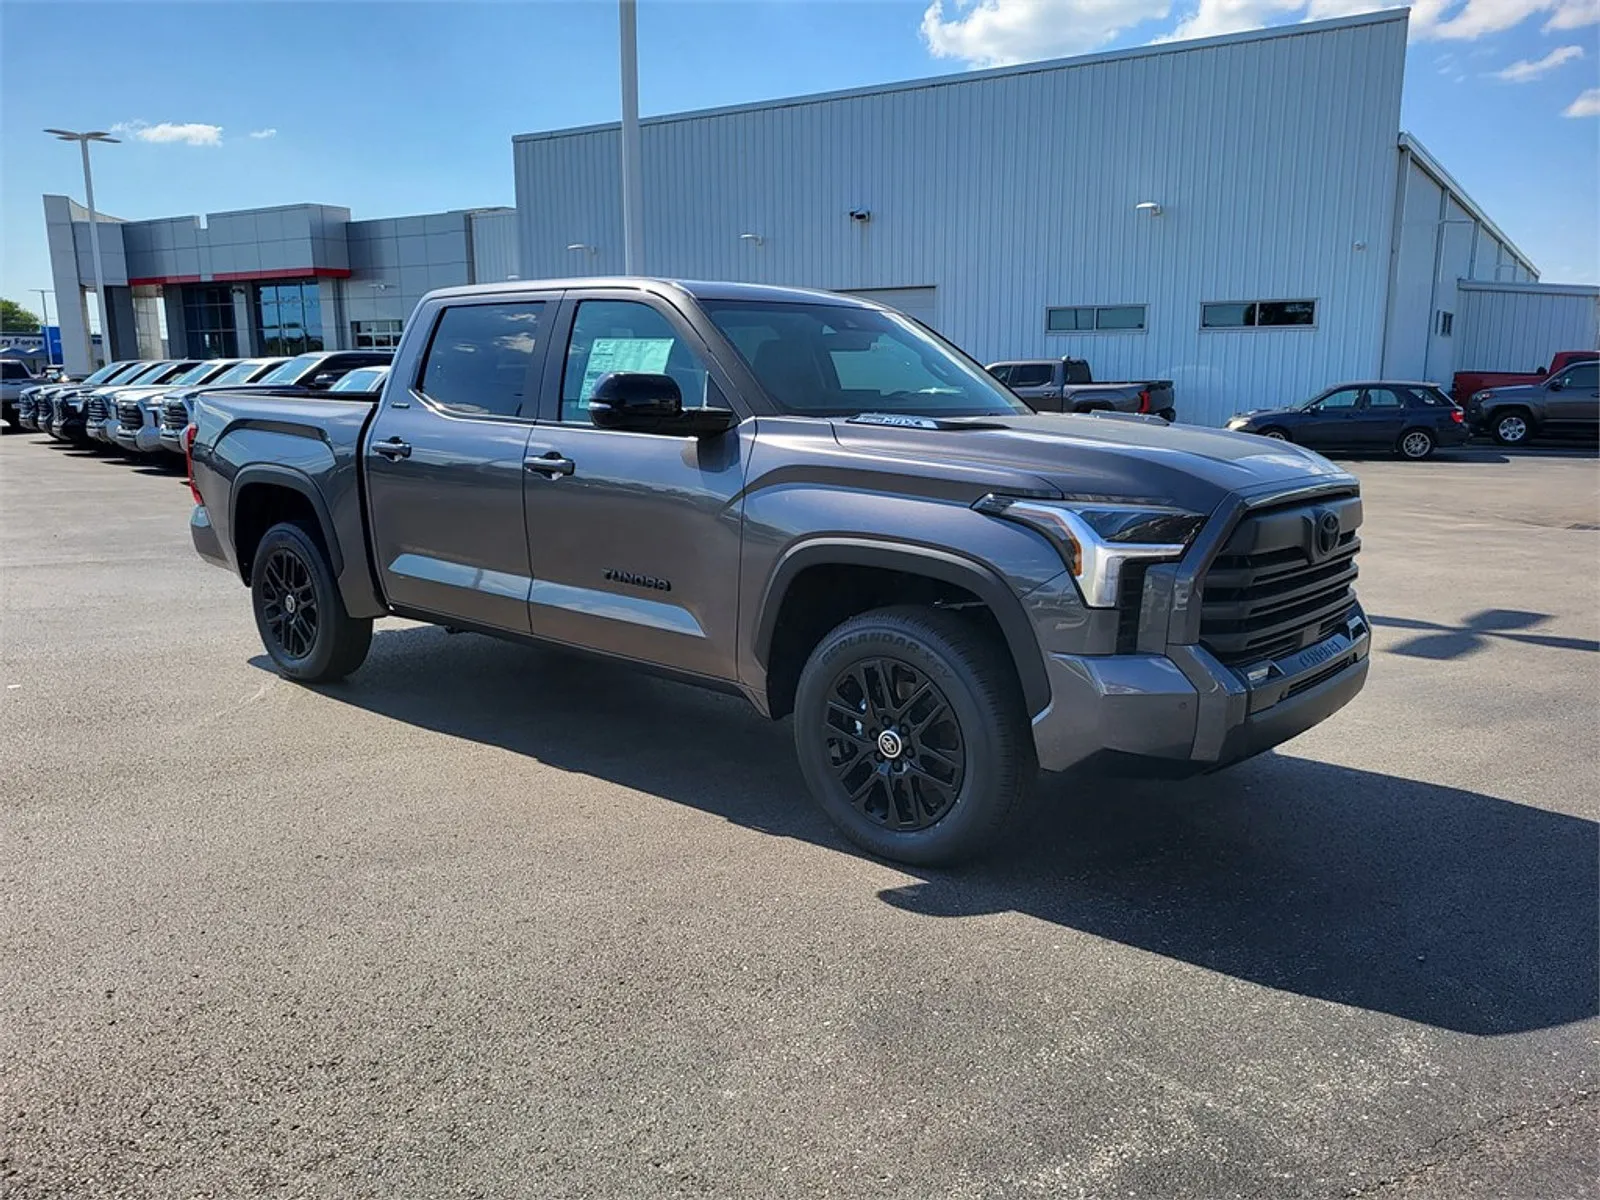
{"x": 174, "y": 415}
{"x": 130, "y": 416}
{"x": 1269, "y": 593}
{"x": 95, "y": 410}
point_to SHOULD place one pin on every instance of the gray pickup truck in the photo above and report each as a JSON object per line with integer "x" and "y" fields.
{"x": 814, "y": 502}
{"x": 1566, "y": 402}
{"x": 1067, "y": 385}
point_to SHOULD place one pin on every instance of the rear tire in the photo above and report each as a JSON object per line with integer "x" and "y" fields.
{"x": 1512, "y": 427}
{"x": 299, "y": 613}
{"x": 1415, "y": 444}
{"x": 912, "y": 735}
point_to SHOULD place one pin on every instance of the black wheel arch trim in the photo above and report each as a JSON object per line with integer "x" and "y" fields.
{"x": 277, "y": 475}
{"x": 914, "y": 559}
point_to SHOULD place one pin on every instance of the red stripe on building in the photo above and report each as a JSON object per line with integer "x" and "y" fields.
{"x": 153, "y": 279}
{"x": 287, "y": 273}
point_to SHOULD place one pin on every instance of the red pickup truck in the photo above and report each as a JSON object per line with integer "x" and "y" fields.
{"x": 1468, "y": 383}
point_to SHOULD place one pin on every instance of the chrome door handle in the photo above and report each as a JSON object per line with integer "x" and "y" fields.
{"x": 552, "y": 464}
{"x": 392, "y": 449}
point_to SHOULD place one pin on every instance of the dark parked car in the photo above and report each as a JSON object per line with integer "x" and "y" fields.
{"x": 815, "y": 503}
{"x": 1067, "y": 385}
{"x": 1404, "y": 418}
{"x": 1566, "y": 403}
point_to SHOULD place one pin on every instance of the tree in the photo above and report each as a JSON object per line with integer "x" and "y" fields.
{"x": 16, "y": 319}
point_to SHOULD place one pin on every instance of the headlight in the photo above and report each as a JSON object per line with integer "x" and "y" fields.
{"x": 1238, "y": 422}
{"x": 1095, "y": 539}
{"x": 1479, "y": 397}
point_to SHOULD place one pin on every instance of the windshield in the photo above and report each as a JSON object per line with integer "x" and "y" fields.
{"x": 240, "y": 372}
{"x": 291, "y": 371}
{"x": 362, "y": 379}
{"x": 196, "y": 374}
{"x": 825, "y": 360}
{"x": 151, "y": 370}
{"x": 109, "y": 371}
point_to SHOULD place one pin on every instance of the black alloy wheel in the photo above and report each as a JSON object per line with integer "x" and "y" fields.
{"x": 894, "y": 743}
{"x": 289, "y": 602}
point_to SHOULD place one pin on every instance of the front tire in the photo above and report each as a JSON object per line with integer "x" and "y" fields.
{"x": 299, "y": 613}
{"x": 912, "y": 735}
{"x": 1275, "y": 434}
{"x": 1415, "y": 444}
{"x": 1512, "y": 428}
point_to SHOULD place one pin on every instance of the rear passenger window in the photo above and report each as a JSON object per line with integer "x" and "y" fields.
{"x": 481, "y": 358}
{"x": 1032, "y": 375}
{"x": 1384, "y": 398}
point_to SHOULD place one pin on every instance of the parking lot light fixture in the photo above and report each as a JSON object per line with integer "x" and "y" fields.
{"x": 83, "y": 140}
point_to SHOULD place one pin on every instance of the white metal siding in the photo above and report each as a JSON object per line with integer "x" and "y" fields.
{"x": 494, "y": 245}
{"x": 1273, "y": 156}
{"x": 921, "y": 303}
{"x": 1519, "y": 328}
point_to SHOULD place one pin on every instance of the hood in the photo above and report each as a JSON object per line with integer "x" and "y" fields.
{"x": 1256, "y": 413}
{"x": 1099, "y": 456}
{"x": 1514, "y": 391}
{"x": 139, "y": 393}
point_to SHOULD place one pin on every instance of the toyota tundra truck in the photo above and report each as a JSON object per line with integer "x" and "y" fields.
{"x": 816, "y": 503}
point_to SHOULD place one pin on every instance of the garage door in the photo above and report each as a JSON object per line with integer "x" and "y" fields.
{"x": 914, "y": 302}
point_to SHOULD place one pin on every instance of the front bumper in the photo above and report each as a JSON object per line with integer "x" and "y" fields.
{"x": 146, "y": 439}
{"x": 1184, "y": 711}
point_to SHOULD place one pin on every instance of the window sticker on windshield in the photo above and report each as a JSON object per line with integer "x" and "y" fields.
{"x": 645, "y": 355}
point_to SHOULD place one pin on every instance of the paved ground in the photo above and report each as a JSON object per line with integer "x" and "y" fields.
{"x": 488, "y": 922}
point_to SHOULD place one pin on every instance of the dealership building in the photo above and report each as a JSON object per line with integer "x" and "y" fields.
{"x": 1242, "y": 215}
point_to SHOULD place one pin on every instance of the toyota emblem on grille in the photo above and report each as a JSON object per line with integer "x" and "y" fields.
{"x": 1324, "y": 539}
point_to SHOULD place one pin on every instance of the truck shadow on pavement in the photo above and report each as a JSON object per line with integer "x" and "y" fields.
{"x": 1477, "y": 632}
{"x": 1430, "y": 903}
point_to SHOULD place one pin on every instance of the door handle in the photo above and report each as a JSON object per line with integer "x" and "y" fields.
{"x": 552, "y": 464}
{"x": 392, "y": 449}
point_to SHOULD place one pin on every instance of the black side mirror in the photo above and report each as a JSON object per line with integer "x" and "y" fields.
{"x": 637, "y": 402}
{"x": 322, "y": 380}
{"x": 1555, "y": 385}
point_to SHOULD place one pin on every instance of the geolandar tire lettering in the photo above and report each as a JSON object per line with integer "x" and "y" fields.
{"x": 299, "y": 612}
{"x": 911, "y": 733}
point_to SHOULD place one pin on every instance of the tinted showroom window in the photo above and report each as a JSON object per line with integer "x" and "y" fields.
{"x": 481, "y": 358}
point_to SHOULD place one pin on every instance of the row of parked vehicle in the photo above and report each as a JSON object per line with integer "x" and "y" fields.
{"x": 144, "y": 406}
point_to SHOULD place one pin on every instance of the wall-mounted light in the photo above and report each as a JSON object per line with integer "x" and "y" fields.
{"x": 753, "y": 237}
{"x": 584, "y": 246}
{"x": 1149, "y": 207}
{"x": 861, "y": 214}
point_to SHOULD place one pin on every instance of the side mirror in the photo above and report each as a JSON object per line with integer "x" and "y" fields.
{"x": 1555, "y": 385}
{"x": 325, "y": 379}
{"x": 637, "y": 402}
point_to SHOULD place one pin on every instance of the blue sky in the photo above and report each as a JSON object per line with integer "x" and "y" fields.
{"x": 392, "y": 108}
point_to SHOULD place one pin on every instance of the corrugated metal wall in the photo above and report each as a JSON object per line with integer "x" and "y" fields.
{"x": 1441, "y": 240}
{"x": 1518, "y": 327}
{"x": 493, "y": 239}
{"x": 1272, "y": 154}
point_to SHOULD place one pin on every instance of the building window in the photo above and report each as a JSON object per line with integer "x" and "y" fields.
{"x": 375, "y": 335}
{"x": 289, "y": 317}
{"x": 1447, "y": 323}
{"x": 1258, "y": 314}
{"x": 1095, "y": 318}
{"x": 208, "y": 328}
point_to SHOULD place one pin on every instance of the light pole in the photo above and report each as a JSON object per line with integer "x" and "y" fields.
{"x": 632, "y": 228}
{"x": 83, "y": 140}
{"x": 44, "y": 316}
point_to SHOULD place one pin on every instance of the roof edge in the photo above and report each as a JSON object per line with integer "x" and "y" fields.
{"x": 1434, "y": 167}
{"x": 1540, "y": 288}
{"x": 1381, "y": 17}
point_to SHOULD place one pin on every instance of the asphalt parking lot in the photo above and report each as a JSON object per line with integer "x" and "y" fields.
{"x": 487, "y": 921}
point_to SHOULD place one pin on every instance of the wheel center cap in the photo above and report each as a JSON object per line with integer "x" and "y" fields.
{"x": 288, "y": 605}
{"x": 889, "y": 744}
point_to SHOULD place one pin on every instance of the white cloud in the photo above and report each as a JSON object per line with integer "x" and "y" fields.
{"x": 259, "y": 134}
{"x": 192, "y": 133}
{"x": 1574, "y": 14}
{"x": 1586, "y": 105}
{"x": 990, "y": 33}
{"x": 1444, "y": 20}
{"x": 1526, "y": 70}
